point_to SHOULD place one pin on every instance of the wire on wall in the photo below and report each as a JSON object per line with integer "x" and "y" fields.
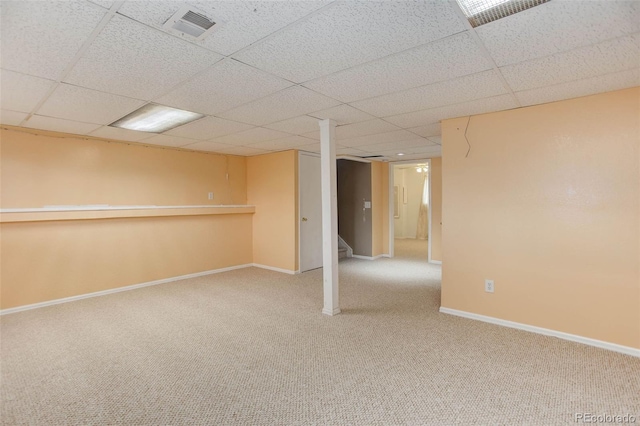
{"x": 467, "y": 139}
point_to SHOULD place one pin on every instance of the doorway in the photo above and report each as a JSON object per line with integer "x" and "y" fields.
{"x": 410, "y": 205}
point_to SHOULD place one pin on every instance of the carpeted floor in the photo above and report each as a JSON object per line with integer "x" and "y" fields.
{"x": 251, "y": 347}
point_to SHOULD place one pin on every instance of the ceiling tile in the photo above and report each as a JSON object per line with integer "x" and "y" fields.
{"x": 285, "y": 104}
{"x": 104, "y": 3}
{"x": 21, "y": 92}
{"x": 603, "y": 58}
{"x": 60, "y": 125}
{"x": 441, "y": 60}
{"x": 207, "y": 146}
{"x": 131, "y": 59}
{"x": 245, "y": 22}
{"x": 434, "y": 115}
{"x": 410, "y": 153}
{"x": 41, "y": 38}
{"x": 208, "y": 128}
{"x": 251, "y": 136}
{"x": 399, "y": 145}
{"x": 285, "y": 143}
{"x": 12, "y": 118}
{"x": 349, "y": 151}
{"x": 364, "y": 128}
{"x": 351, "y": 33}
{"x": 313, "y": 147}
{"x": 397, "y": 136}
{"x": 436, "y": 139}
{"x": 167, "y": 140}
{"x": 120, "y": 134}
{"x": 574, "y": 89}
{"x": 241, "y": 150}
{"x": 224, "y": 86}
{"x": 558, "y": 26}
{"x": 343, "y": 114}
{"x": 462, "y": 89}
{"x": 90, "y": 106}
{"x": 427, "y": 130}
{"x": 296, "y": 125}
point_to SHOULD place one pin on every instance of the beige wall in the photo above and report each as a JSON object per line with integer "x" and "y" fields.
{"x": 49, "y": 260}
{"x": 547, "y": 205}
{"x": 58, "y": 169}
{"x": 436, "y": 209}
{"x": 380, "y": 208}
{"x": 272, "y": 186}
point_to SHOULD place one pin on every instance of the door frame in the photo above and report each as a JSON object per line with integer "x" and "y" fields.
{"x": 392, "y": 167}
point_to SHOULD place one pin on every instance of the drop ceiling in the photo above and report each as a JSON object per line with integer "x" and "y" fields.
{"x": 386, "y": 71}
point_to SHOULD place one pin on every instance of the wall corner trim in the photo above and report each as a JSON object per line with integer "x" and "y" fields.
{"x": 273, "y": 268}
{"x": 545, "y": 331}
{"x": 119, "y": 289}
{"x": 436, "y": 262}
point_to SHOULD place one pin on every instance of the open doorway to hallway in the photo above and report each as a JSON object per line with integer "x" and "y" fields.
{"x": 411, "y": 221}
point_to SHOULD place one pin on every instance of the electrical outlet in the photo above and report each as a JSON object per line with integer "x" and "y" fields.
{"x": 211, "y": 195}
{"x": 488, "y": 286}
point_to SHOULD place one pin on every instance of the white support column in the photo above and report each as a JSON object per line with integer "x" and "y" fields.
{"x": 329, "y": 217}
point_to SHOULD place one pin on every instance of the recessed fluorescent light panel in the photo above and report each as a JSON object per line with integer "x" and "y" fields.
{"x": 480, "y": 12}
{"x": 155, "y": 118}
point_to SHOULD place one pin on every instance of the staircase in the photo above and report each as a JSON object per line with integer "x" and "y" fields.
{"x": 344, "y": 250}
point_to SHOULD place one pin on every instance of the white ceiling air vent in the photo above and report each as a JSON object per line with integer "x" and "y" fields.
{"x": 191, "y": 23}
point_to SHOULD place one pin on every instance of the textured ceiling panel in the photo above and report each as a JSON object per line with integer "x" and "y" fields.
{"x": 436, "y": 139}
{"x": 20, "y": 92}
{"x": 167, "y": 140}
{"x": 574, "y": 89}
{"x": 120, "y": 134}
{"x": 104, "y": 3}
{"x": 351, "y": 33}
{"x": 285, "y": 104}
{"x": 603, "y": 58}
{"x": 343, "y": 114}
{"x": 12, "y": 118}
{"x": 285, "y": 143}
{"x": 60, "y": 125}
{"x": 463, "y": 89}
{"x": 296, "y": 125}
{"x": 208, "y": 128}
{"x": 397, "y": 136}
{"x": 358, "y": 129}
{"x": 427, "y": 130}
{"x": 90, "y": 106}
{"x": 400, "y": 145}
{"x": 240, "y": 150}
{"x": 246, "y": 21}
{"x": 41, "y": 38}
{"x": 434, "y": 115}
{"x": 226, "y": 85}
{"x": 441, "y": 60}
{"x": 207, "y": 146}
{"x": 130, "y": 59}
{"x": 558, "y": 26}
{"x": 251, "y": 136}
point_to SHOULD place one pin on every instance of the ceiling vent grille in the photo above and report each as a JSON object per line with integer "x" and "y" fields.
{"x": 480, "y": 12}
{"x": 191, "y": 23}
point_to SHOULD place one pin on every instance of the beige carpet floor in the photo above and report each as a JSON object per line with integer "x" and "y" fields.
{"x": 251, "y": 347}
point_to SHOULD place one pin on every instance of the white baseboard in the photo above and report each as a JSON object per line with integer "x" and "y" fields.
{"x": 437, "y": 262}
{"x": 273, "y": 268}
{"x": 545, "y": 331}
{"x": 118, "y": 290}
{"x": 336, "y": 311}
{"x": 357, "y": 256}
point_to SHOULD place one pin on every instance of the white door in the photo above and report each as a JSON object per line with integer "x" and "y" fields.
{"x": 310, "y": 212}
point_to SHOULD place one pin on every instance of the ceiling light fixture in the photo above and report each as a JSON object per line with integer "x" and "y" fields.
{"x": 480, "y": 12}
{"x": 400, "y": 154}
{"x": 155, "y": 118}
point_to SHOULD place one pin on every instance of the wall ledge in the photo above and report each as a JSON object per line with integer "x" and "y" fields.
{"x": 56, "y": 213}
{"x": 545, "y": 331}
{"x": 118, "y": 289}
